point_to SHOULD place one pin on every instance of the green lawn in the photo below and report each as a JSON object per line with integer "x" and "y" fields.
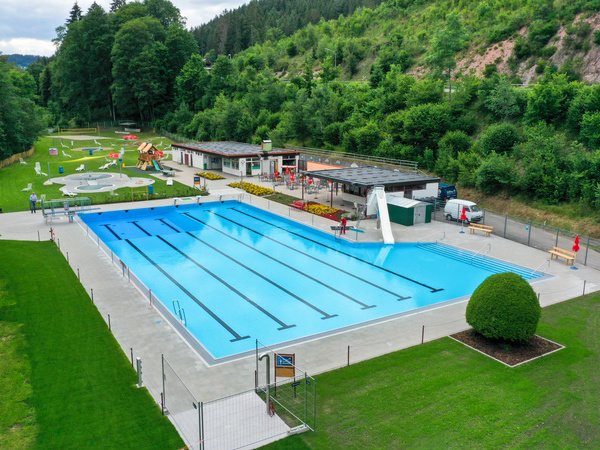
{"x": 444, "y": 395}
{"x": 65, "y": 381}
{"x": 17, "y": 176}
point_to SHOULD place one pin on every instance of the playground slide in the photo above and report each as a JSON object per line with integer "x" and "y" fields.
{"x": 156, "y": 166}
{"x": 384, "y": 216}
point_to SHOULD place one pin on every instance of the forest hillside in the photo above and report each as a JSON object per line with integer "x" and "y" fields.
{"x": 520, "y": 120}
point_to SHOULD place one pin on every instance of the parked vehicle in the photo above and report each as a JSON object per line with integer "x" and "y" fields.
{"x": 447, "y": 191}
{"x": 453, "y": 210}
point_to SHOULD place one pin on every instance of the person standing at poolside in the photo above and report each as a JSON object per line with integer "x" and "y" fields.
{"x": 343, "y": 230}
{"x": 32, "y": 202}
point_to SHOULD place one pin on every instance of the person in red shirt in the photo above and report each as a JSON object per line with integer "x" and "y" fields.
{"x": 343, "y": 231}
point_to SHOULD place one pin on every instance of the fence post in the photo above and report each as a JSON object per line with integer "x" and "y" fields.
{"x": 505, "y": 222}
{"x": 557, "y": 231}
{"x": 529, "y": 236}
{"x": 201, "y": 424}
{"x": 162, "y": 361}
{"x": 139, "y": 371}
{"x": 587, "y": 247}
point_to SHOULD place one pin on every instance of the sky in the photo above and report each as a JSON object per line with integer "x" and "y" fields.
{"x": 28, "y": 26}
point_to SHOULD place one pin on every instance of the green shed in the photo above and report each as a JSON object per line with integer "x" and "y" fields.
{"x": 406, "y": 211}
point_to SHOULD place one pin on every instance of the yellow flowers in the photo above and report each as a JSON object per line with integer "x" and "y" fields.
{"x": 320, "y": 210}
{"x": 210, "y": 175}
{"x": 253, "y": 189}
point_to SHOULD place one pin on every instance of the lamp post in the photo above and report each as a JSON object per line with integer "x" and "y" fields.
{"x": 334, "y": 57}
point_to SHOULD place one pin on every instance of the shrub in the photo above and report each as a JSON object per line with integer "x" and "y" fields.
{"x": 504, "y": 307}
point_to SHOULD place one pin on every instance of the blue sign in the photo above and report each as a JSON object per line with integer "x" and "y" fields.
{"x": 296, "y": 383}
{"x": 285, "y": 361}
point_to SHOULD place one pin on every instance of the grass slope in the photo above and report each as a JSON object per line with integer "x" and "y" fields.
{"x": 444, "y": 395}
{"x": 82, "y": 390}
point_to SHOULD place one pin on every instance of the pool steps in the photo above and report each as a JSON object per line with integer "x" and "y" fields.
{"x": 477, "y": 260}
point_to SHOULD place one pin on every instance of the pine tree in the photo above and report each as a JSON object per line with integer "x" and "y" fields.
{"x": 75, "y": 15}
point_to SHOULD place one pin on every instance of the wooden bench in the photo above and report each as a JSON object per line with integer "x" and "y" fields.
{"x": 487, "y": 229}
{"x": 562, "y": 253}
{"x": 298, "y": 204}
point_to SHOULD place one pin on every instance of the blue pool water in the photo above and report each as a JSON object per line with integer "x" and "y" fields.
{"x": 241, "y": 273}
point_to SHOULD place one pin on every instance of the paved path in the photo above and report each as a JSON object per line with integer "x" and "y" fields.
{"x": 138, "y": 326}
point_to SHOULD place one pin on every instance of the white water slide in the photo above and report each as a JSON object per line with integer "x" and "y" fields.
{"x": 378, "y": 196}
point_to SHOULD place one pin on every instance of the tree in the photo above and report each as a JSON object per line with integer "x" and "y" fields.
{"x": 504, "y": 307}
{"x": 165, "y": 12}
{"x": 21, "y": 121}
{"x": 502, "y": 100}
{"x": 497, "y": 173}
{"x": 446, "y": 43}
{"x": 192, "y": 82}
{"x": 499, "y": 138}
{"x": 74, "y": 15}
{"x": 115, "y": 5}
{"x": 140, "y": 78}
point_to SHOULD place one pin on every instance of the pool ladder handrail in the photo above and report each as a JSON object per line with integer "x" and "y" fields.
{"x": 488, "y": 245}
{"x": 179, "y": 312}
{"x": 443, "y": 233}
{"x": 545, "y": 261}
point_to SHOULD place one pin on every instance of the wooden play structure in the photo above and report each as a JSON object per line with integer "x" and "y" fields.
{"x": 149, "y": 156}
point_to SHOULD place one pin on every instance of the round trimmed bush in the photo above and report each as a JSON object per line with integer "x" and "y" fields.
{"x": 504, "y": 307}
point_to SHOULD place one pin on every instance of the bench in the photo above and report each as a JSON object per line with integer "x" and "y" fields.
{"x": 562, "y": 253}
{"x": 487, "y": 229}
{"x": 298, "y": 204}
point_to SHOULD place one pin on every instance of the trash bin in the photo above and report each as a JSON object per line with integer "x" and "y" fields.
{"x": 60, "y": 169}
{"x": 150, "y": 189}
{"x": 91, "y": 151}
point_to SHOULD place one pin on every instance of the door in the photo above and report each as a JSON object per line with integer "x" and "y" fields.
{"x": 187, "y": 159}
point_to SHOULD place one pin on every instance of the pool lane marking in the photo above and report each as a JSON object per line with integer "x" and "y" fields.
{"x": 138, "y": 226}
{"x": 283, "y": 325}
{"x": 192, "y": 296}
{"x": 169, "y": 225}
{"x": 364, "y": 305}
{"x": 432, "y": 289}
{"x": 278, "y": 286}
{"x": 364, "y": 280}
{"x": 107, "y": 226}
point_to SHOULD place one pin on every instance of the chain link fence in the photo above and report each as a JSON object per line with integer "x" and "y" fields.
{"x": 535, "y": 234}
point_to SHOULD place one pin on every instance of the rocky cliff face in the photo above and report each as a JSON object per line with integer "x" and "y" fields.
{"x": 583, "y": 53}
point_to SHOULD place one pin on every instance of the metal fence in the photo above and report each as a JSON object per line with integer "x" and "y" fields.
{"x": 535, "y": 234}
{"x": 293, "y": 397}
{"x": 237, "y": 421}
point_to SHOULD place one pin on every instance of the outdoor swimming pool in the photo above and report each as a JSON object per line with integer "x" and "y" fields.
{"x": 239, "y": 273}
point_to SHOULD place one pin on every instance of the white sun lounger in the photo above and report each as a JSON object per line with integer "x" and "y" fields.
{"x": 28, "y": 188}
{"x": 69, "y": 193}
{"x": 80, "y": 168}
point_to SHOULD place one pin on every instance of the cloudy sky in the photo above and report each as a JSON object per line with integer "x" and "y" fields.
{"x": 28, "y": 26}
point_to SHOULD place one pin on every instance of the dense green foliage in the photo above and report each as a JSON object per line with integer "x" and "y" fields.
{"x": 348, "y": 84}
{"x": 77, "y": 387}
{"x": 504, "y": 307}
{"x": 21, "y": 120}
{"x": 259, "y": 21}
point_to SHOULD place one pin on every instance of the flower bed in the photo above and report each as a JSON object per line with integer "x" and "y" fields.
{"x": 253, "y": 189}
{"x": 210, "y": 175}
{"x": 325, "y": 211}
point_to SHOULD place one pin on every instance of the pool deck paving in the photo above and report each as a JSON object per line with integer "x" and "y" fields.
{"x": 141, "y": 329}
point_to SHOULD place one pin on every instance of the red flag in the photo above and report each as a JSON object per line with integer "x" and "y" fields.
{"x": 292, "y": 176}
{"x": 287, "y": 170}
{"x": 576, "y": 244}
{"x": 463, "y": 216}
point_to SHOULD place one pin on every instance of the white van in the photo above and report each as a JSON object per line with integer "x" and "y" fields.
{"x": 454, "y": 207}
